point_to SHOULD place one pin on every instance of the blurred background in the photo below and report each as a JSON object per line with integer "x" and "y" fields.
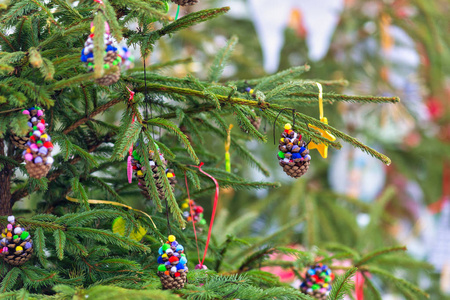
{"x": 383, "y": 48}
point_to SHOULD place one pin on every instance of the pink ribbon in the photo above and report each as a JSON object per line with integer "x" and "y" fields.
{"x": 213, "y": 214}
{"x": 130, "y": 151}
{"x": 359, "y": 286}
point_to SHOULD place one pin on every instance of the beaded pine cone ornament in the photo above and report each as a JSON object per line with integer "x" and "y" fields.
{"x": 193, "y": 210}
{"x": 16, "y": 244}
{"x": 293, "y": 155}
{"x": 111, "y": 58}
{"x": 138, "y": 168}
{"x": 318, "y": 279}
{"x": 35, "y": 115}
{"x": 172, "y": 269}
{"x": 38, "y": 154}
{"x": 185, "y": 2}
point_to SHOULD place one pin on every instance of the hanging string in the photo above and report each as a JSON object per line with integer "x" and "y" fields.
{"x": 213, "y": 214}
{"x": 274, "y": 123}
{"x": 167, "y": 216}
{"x": 192, "y": 217}
{"x": 359, "y": 285}
{"x": 178, "y": 11}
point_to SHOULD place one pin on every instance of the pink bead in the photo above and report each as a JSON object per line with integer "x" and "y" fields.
{"x": 40, "y": 113}
{"x": 26, "y": 112}
{"x": 40, "y": 126}
{"x": 5, "y": 249}
{"x": 29, "y": 156}
{"x": 9, "y": 227}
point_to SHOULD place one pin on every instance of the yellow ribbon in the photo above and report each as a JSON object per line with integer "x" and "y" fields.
{"x": 112, "y": 203}
{"x": 227, "y": 150}
{"x": 321, "y": 147}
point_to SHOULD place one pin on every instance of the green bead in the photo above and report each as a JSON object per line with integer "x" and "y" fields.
{"x": 24, "y": 235}
{"x": 315, "y": 287}
{"x": 15, "y": 237}
{"x": 327, "y": 279}
{"x": 114, "y": 63}
{"x": 165, "y": 247}
{"x": 106, "y": 66}
{"x": 202, "y": 221}
{"x": 183, "y": 255}
{"x": 323, "y": 274}
{"x": 281, "y": 154}
{"x": 162, "y": 268}
{"x": 90, "y": 64}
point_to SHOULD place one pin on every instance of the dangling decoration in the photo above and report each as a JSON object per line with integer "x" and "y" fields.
{"x": 111, "y": 58}
{"x": 118, "y": 226}
{"x": 16, "y": 244}
{"x": 318, "y": 279}
{"x": 127, "y": 58}
{"x": 35, "y": 115}
{"x": 321, "y": 147}
{"x": 38, "y": 154}
{"x": 185, "y": 2}
{"x": 172, "y": 269}
{"x": 130, "y": 151}
{"x": 136, "y": 162}
{"x": 294, "y": 154}
{"x": 192, "y": 212}
{"x": 227, "y": 150}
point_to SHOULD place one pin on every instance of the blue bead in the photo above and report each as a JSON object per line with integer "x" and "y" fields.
{"x": 160, "y": 251}
{"x": 179, "y": 248}
{"x": 311, "y": 272}
{"x": 296, "y": 155}
{"x": 174, "y": 243}
{"x": 183, "y": 260}
{"x": 160, "y": 260}
{"x": 302, "y": 149}
{"x": 180, "y": 266}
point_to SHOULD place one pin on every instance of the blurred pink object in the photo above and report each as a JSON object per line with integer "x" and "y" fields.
{"x": 286, "y": 275}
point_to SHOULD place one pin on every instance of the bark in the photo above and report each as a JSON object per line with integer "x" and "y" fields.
{"x": 5, "y": 185}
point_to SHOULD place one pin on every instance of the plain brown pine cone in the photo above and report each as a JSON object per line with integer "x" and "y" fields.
{"x": 185, "y": 2}
{"x": 38, "y": 170}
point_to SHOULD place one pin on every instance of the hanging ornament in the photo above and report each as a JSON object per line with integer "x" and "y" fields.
{"x": 118, "y": 226}
{"x": 192, "y": 212}
{"x": 172, "y": 267}
{"x": 38, "y": 154}
{"x": 111, "y": 58}
{"x": 294, "y": 154}
{"x": 136, "y": 163}
{"x": 321, "y": 147}
{"x": 318, "y": 279}
{"x": 16, "y": 244}
{"x": 127, "y": 59}
{"x": 35, "y": 115}
{"x": 185, "y": 2}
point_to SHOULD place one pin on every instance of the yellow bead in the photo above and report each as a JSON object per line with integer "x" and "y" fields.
{"x": 164, "y": 255}
{"x": 325, "y": 285}
{"x": 169, "y": 175}
{"x": 139, "y": 173}
{"x": 18, "y": 248}
{"x": 3, "y": 235}
{"x": 92, "y": 29}
{"x": 172, "y": 238}
{"x": 44, "y": 136}
{"x": 287, "y": 126}
{"x": 251, "y": 91}
{"x": 184, "y": 206}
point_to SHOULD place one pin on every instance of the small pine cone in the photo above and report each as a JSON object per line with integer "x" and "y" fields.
{"x": 172, "y": 267}
{"x": 16, "y": 245}
{"x": 35, "y": 116}
{"x": 318, "y": 280}
{"x": 255, "y": 122}
{"x": 185, "y": 2}
{"x": 111, "y": 59}
{"x": 137, "y": 167}
{"x": 293, "y": 155}
{"x": 38, "y": 154}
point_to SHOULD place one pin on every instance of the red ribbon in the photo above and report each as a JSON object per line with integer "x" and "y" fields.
{"x": 192, "y": 217}
{"x": 99, "y": 1}
{"x": 213, "y": 214}
{"x": 359, "y": 286}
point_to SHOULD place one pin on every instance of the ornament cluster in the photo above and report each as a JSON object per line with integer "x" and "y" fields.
{"x": 16, "y": 244}
{"x": 192, "y": 212}
{"x": 136, "y": 163}
{"x": 172, "y": 262}
{"x": 35, "y": 114}
{"x": 111, "y": 58}
{"x": 38, "y": 152}
{"x": 294, "y": 154}
{"x": 318, "y": 279}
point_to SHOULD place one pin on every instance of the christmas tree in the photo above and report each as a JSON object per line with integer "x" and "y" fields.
{"x": 101, "y": 127}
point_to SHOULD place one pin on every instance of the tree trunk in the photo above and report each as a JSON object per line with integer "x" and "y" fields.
{"x": 5, "y": 185}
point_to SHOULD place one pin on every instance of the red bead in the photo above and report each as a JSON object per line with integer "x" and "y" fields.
{"x": 48, "y": 145}
{"x": 33, "y": 138}
{"x": 173, "y": 259}
{"x": 199, "y": 209}
{"x": 177, "y": 274}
